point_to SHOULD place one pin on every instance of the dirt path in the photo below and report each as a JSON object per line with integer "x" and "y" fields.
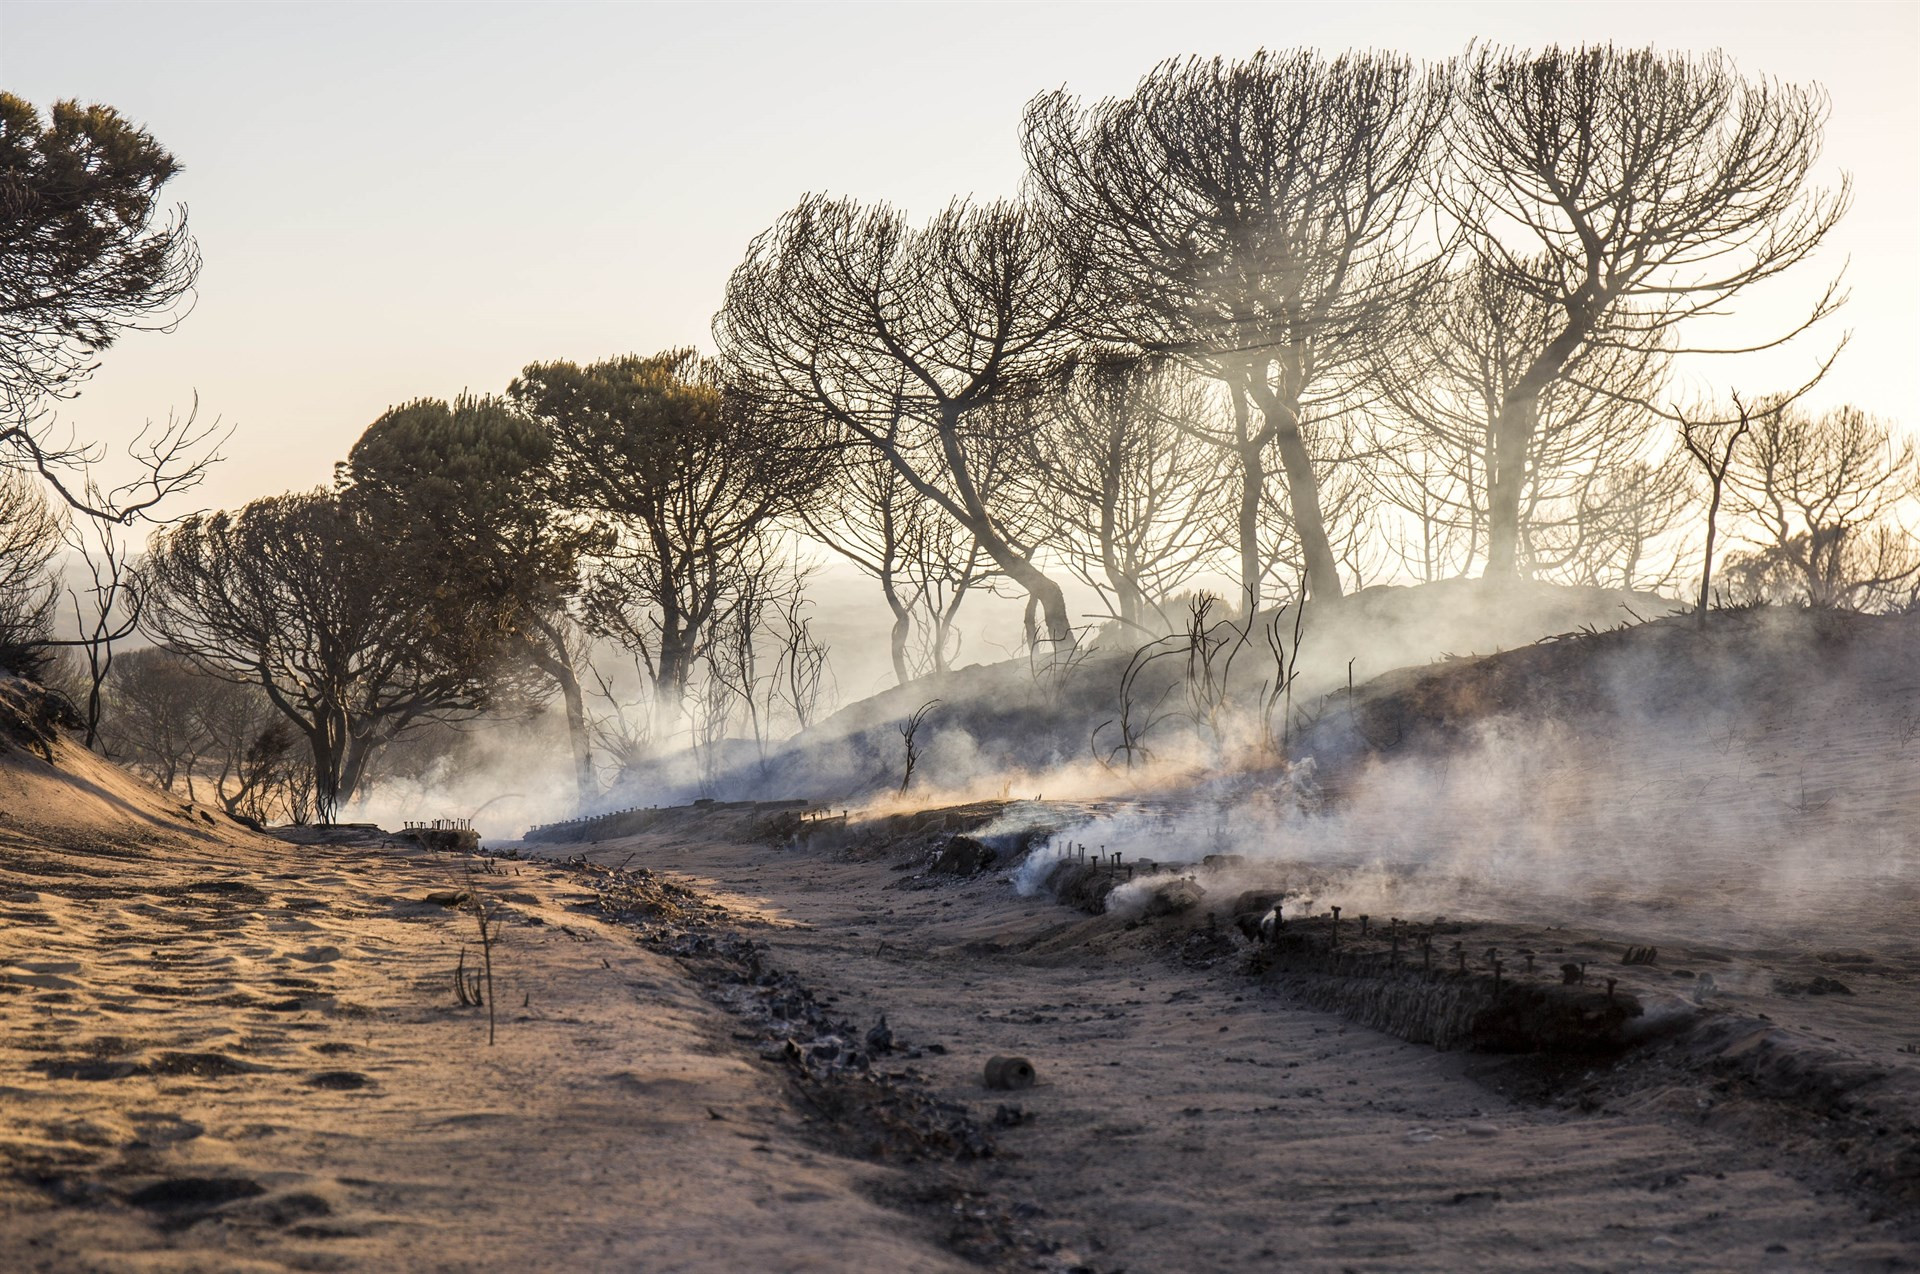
{"x": 1185, "y": 1120}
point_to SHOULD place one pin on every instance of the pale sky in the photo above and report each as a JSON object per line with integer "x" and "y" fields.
{"x": 401, "y": 200}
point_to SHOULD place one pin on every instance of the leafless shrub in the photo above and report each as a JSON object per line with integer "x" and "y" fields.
{"x": 910, "y": 737}
{"x": 486, "y": 919}
{"x": 1276, "y": 693}
{"x": 30, "y": 538}
{"x": 1052, "y": 665}
{"x": 1712, "y": 444}
{"x": 1212, "y": 646}
{"x": 1138, "y": 716}
{"x": 106, "y": 612}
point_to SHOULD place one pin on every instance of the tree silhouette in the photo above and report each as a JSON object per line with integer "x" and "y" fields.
{"x": 685, "y": 478}
{"x": 301, "y": 595}
{"x": 1627, "y": 192}
{"x": 919, "y": 343}
{"x": 466, "y": 491}
{"x": 86, "y": 254}
{"x": 1253, "y": 218}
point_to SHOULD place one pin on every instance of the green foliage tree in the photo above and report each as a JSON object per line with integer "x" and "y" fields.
{"x": 684, "y": 481}
{"x": 302, "y": 596}
{"x": 464, "y": 491}
{"x": 87, "y": 253}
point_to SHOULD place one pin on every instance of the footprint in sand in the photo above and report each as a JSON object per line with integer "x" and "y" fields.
{"x": 45, "y": 974}
{"x": 176, "y": 1194}
{"x": 338, "y": 1081}
{"x": 315, "y": 955}
{"x": 161, "y": 1128}
{"x": 281, "y": 1210}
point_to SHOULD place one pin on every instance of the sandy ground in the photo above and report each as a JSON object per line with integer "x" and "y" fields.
{"x": 1186, "y": 1119}
{"x": 223, "y": 1053}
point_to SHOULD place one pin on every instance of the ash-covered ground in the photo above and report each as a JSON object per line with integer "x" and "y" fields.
{"x": 1650, "y": 890}
{"x": 1200, "y": 1106}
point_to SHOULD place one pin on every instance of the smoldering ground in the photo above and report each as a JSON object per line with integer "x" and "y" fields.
{"x": 1049, "y": 724}
{"x": 1754, "y": 782}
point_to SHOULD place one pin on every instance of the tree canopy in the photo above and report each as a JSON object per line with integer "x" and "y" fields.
{"x": 1628, "y": 192}
{"x": 684, "y": 478}
{"x": 466, "y": 492}
{"x": 919, "y": 342}
{"x": 87, "y": 253}
{"x": 300, "y": 595}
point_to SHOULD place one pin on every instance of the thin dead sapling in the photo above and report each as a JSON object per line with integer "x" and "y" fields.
{"x": 909, "y": 735}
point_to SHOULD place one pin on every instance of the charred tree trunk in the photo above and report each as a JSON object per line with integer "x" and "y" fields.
{"x": 1041, "y": 592}
{"x": 548, "y": 652}
{"x": 1129, "y": 598}
{"x": 1253, "y": 485}
{"x": 1282, "y": 419}
{"x": 1512, "y": 440}
{"x": 670, "y": 685}
{"x": 1506, "y": 481}
{"x": 901, "y": 632}
{"x": 972, "y": 514}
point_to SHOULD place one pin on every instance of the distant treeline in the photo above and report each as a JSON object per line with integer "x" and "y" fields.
{"x": 1296, "y": 322}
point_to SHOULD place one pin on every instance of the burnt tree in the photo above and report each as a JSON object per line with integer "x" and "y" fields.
{"x": 920, "y": 343}
{"x": 1253, "y": 218}
{"x": 1628, "y": 192}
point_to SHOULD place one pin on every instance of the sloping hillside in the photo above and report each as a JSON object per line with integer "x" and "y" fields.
{"x": 1004, "y": 726}
{"x": 53, "y": 793}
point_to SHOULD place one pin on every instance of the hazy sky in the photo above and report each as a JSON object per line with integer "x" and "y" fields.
{"x": 402, "y": 200}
